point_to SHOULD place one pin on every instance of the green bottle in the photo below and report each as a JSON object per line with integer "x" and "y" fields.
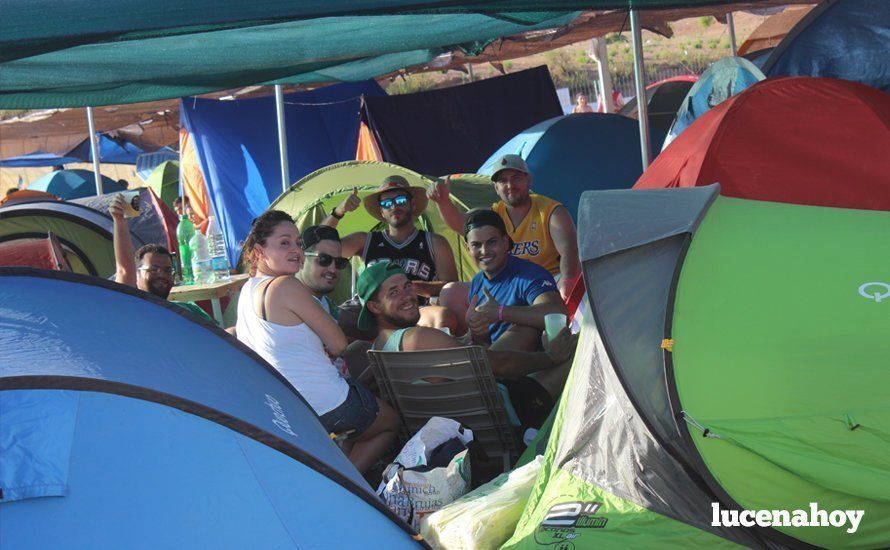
{"x": 184, "y": 233}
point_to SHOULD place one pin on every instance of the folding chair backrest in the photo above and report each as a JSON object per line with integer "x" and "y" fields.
{"x": 452, "y": 383}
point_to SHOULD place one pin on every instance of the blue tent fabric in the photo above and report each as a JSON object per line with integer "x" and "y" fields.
{"x": 74, "y": 184}
{"x": 237, "y": 145}
{"x": 111, "y": 151}
{"x": 204, "y": 430}
{"x": 722, "y": 80}
{"x": 570, "y": 154}
{"x": 453, "y": 130}
{"x": 848, "y": 39}
{"x": 34, "y": 462}
{"x": 37, "y": 159}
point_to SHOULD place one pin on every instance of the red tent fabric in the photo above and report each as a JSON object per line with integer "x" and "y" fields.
{"x": 41, "y": 253}
{"x": 813, "y": 141}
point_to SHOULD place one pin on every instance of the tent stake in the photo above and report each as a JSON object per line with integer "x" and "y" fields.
{"x": 640, "y": 86}
{"x": 731, "y": 24}
{"x": 94, "y": 150}
{"x": 282, "y": 138}
{"x": 470, "y": 72}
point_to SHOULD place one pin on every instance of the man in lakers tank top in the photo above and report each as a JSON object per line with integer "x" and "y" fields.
{"x": 542, "y": 229}
{"x": 426, "y": 258}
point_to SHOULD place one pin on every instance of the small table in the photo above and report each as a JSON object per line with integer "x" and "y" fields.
{"x": 210, "y": 291}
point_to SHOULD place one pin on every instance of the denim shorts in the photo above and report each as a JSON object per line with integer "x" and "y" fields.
{"x": 357, "y": 412}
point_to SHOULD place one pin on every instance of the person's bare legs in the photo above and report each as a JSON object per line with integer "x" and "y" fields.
{"x": 376, "y": 440}
{"x": 438, "y": 317}
{"x": 455, "y": 297}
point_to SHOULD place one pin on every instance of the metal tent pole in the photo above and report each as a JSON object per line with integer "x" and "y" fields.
{"x": 470, "y": 72}
{"x": 94, "y": 150}
{"x": 640, "y": 86}
{"x": 731, "y": 24}
{"x": 599, "y": 49}
{"x": 282, "y": 138}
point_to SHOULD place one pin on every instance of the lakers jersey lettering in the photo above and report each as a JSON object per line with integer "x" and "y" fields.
{"x": 531, "y": 237}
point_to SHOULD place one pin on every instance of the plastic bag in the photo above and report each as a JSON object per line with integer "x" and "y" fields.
{"x": 485, "y": 518}
{"x": 431, "y": 471}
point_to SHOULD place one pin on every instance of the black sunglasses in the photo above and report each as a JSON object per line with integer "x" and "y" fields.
{"x": 324, "y": 260}
{"x": 400, "y": 200}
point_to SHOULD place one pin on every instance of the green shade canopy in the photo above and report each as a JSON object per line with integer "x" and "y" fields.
{"x": 32, "y": 27}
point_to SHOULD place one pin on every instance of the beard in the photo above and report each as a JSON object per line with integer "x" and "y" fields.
{"x": 160, "y": 289}
{"x": 405, "y": 321}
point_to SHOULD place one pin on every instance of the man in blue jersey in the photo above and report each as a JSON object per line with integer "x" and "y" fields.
{"x": 509, "y": 297}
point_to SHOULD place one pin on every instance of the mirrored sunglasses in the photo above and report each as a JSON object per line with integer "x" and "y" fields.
{"x": 399, "y": 200}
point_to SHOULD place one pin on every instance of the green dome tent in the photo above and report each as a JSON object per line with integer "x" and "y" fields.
{"x": 312, "y": 198}
{"x": 84, "y": 234}
{"x": 164, "y": 181}
{"x": 737, "y": 359}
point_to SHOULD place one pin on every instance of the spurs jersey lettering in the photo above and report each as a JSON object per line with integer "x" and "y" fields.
{"x": 415, "y": 255}
{"x": 531, "y": 238}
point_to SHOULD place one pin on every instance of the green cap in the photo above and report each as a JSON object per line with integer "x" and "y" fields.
{"x": 366, "y": 286}
{"x": 511, "y": 162}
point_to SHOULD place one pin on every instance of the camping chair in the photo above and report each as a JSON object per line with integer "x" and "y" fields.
{"x": 409, "y": 381}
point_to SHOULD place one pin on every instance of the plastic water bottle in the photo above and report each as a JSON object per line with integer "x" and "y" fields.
{"x": 184, "y": 232}
{"x": 219, "y": 257}
{"x": 201, "y": 266}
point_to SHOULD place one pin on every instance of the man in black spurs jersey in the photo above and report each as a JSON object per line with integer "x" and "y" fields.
{"x": 426, "y": 258}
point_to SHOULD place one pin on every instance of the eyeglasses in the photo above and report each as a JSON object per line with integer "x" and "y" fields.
{"x": 155, "y": 269}
{"x": 324, "y": 260}
{"x": 399, "y": 200}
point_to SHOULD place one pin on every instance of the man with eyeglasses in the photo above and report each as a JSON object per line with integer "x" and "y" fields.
{"x": 151, "y": 269}
{"x": 426, "y": 258}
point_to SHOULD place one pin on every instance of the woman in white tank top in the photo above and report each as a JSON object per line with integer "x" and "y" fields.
{"x": 280, "y": 320}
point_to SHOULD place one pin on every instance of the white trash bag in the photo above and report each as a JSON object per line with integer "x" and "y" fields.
{"x": 432, "y": 470}
{"x": 486, "y": 518}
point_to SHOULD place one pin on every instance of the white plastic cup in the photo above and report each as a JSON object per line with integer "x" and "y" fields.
{"x": 553, "y": 323}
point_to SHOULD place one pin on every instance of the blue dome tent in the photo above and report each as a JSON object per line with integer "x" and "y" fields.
{"x": 127, "y": 422}
{"x": 74, "y": 184}
{"x": 574, "y": 153}
{"x": 846, "y": 39}
{"x": 722, "y": 80}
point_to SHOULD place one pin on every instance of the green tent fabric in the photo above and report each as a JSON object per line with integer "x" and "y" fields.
{"x": 311, "y": 199}
{"x": 736, "y": 356}
{"x": 84, "y": 234}
{"x": 32, "y": 27}
{"x": 164, "y": 181}
{"x": 315, "y": 50}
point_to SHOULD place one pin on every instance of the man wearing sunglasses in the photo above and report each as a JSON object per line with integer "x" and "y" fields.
{"x": 151, "y": 269}
{"x": 321, "y": 268}
{"x": 426, "y": 258}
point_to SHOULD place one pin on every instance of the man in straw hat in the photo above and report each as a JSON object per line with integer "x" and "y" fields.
{"x": 426, "y": 258}
{"x": 541, "y": 228}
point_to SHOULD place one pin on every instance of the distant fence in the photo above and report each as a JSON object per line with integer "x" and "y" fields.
{"x": 587, "y": 83}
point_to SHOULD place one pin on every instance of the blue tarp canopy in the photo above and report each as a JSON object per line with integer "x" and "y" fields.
{"x": 570, "y": 154}
{"x": 847, "y": 39}
{"x": 37, "y": 159}
{"x": 237, "y": 145}
{"x": 111, "y": 151}
{"x": 204, "y": 446}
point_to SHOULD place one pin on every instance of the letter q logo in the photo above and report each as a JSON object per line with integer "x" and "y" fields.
{"x": 875, "y": 291}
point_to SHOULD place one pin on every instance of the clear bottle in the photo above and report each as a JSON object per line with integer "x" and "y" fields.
{"x": 184, "y": 232}
{"x": 201, "y": 265}
{"x": 218, "y": 254}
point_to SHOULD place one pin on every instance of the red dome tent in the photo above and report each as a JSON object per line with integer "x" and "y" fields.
{"x": 814, "y": 141}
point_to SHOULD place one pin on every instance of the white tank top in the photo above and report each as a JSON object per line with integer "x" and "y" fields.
{"x": 296, "y": 351}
